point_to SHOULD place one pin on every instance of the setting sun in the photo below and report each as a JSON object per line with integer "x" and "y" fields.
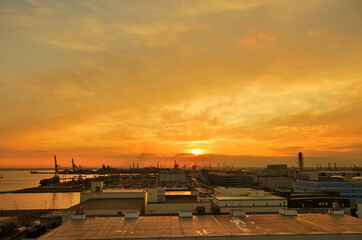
{"x": 196, "y": 151}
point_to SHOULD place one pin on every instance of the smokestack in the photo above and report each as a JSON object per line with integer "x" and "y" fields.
{"x": 301, "y": 161}
{"x": 218, "y": 165}
{"x": 157, "y": 165}
{"x": 133, "y": 165}
{"x": 56, "y": 165}
{"x": 335, "y": 166}
{"x": 329, "y": 166}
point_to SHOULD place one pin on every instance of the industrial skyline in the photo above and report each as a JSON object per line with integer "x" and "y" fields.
{"x": 243, "y": 82}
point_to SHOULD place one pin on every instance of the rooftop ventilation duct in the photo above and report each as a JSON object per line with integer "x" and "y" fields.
{"x": 132, "y": 214}
{"x": 185, "y": 214}
{"x": 238, "y": 213}
{"x": 288, "y": 212}
{"x": 79, "y": 214}
{"x": 336, "y": 210}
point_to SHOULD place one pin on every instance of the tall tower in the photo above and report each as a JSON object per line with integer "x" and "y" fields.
{"x": 56, "y": 165}
{"x": 301, "y": 161}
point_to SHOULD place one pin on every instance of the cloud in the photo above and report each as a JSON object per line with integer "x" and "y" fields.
{"x": 164, "y": 77}
{"x": 257, "y": 38}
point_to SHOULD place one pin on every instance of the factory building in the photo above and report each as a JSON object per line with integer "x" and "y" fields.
{"x": 231, "y": 179}
{"x": 346, "y": 189}
{"x": 97, "y": 192}
{"x": 280, "y": 169}
{"x": 274, "y": 182}
{"x": 318, "y": 202}
{"x": 260, "y": 227}
{"x": 354, "y": 176}
{"x": 172, "y": 177}
{"x": 100, "y": 202}
{"x": 160, "y": 202}
{"x": 255, "y": 202}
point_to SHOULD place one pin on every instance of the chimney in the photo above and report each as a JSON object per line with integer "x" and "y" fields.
{"x": 301, "y": 161}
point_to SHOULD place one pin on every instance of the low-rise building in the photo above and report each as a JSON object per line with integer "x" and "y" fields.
{"x": 231, "y": 179}
{"x": 172, "y": 177}
{"x": 346, "y": 188}
{"x": 280, "y": 169}
{"x": 256, "y": 201}
{"x": 97, "y": 192}
{"x": 105, "y": 207}
{"x": 318, "y": 202}
{"x": 277, "y": 182}
{"x": 107, "y": 202}
{"x": 160, "y": 202}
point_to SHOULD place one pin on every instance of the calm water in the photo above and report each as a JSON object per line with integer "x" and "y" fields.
{"x": 13, "y": 180}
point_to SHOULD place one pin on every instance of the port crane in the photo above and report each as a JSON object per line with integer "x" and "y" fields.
{"x": 75, "y": 167}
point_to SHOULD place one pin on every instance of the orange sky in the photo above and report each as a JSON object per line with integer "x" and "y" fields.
{"x": 246, "y": 82}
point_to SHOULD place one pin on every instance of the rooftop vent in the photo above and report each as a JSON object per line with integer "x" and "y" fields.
{"x": 238, "y": 213}
{"x": 79, "y": 214}
{"x": 288, "y": 212}
{"x": 131, "y": 214}
{"x": 336, "y": 210}
{"x": 185, "y": 214}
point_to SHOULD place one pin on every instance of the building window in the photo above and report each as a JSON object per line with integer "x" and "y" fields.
{"x": 267, "y": 204}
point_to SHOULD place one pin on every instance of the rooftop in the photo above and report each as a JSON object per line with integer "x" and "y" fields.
{"x": 181, "y": 199}
{"x": 235, "y": 198}
{"x": 111, "y": 204}
{"x": 252, "y": 226}
{"x": 118, "y": 190}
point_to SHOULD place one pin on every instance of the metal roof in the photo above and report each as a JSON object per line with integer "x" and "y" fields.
{"x": 111, "y": 204}
{"x": 236, "y": 198}
{"x": 205, "y": 226}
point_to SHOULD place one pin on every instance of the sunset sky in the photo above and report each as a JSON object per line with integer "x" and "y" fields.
{"x": 245, "y": 82}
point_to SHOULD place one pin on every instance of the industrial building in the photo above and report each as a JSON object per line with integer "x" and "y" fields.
{"x": 255, "y": 202}
{"x": 318, "y": 202}
{"x": 270, "y": 226}
{"x": 346, "y": 189}
{"x": 354, "y": 176}
{"x": 230, "y": 179}
{"x": 272, "y": 183}
{"x": 160, "y": 202}
{"x": 280, "y": 169}
{"x": 105, "y": 207}
{"x": 105, "y": 202}
{"x": 172, "y": 177}
{"x": 97, "y": 192}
